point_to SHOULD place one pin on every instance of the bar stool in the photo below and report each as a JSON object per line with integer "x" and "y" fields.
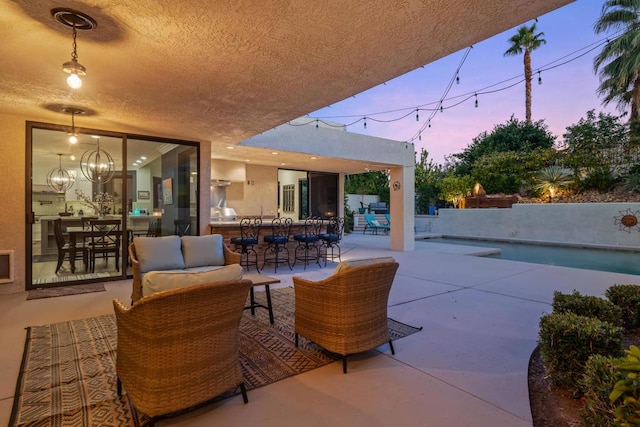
{"x": 331, "y": 239}
{"x": 277, "y": 243}
{"x": 249, "y": 237}
{"x": 308, "y": 242}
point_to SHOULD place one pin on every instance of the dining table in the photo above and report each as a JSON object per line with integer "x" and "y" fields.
{"x": 79, "y": 234}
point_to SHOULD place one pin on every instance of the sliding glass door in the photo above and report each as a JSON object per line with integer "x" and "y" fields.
{"x": 88, "y": 199}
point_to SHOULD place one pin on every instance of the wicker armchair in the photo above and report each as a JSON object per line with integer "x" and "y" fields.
{"x": 179, "y": 348}
{"x": 230, "y": 257}
{"x": 346, "y": 313}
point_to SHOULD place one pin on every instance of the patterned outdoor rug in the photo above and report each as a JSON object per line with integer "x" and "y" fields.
{"x": 68, "y": 378}
{"x": 65, "y": 290}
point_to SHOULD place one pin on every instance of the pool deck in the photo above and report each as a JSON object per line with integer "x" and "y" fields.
{"x": 467, "y": 367}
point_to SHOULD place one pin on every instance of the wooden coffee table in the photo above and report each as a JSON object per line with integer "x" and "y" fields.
{"x": 261, "y": 280}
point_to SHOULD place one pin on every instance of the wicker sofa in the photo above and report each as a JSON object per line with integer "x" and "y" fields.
{"x": 170, "y": 262}
{"x": 176, "y": 349}
{"x": 346, "y": 313}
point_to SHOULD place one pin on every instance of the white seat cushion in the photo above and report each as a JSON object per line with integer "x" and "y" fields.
{"x": 157, "y": 281}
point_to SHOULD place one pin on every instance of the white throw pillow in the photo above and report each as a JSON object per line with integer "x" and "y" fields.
{"x": 200, "y": 251}
{"x": 158, "y": 281}
{"x": 158, "y": 253}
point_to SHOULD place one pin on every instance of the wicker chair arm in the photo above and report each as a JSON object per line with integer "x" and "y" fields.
{"x": 136, "y": 291}
{"x": 231, "y": 257}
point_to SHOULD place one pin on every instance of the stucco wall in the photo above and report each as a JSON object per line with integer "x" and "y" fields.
{"x": 12, "y": 188}
{"x": 565, "y": 223}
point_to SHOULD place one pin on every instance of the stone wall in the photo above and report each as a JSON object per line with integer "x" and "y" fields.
{"x": 585, "y": 224}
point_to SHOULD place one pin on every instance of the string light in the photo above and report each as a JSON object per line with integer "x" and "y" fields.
{"x": 438, "y": 105}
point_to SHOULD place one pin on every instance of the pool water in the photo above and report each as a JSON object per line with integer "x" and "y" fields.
{"x": 627, "y": 262}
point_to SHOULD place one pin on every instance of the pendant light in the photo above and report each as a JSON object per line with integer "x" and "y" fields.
{"x": 73, "y": 135}
{"x": 60, "y": 179}
{"x": 97, "y": 165}
{"x": 77, "y": 21}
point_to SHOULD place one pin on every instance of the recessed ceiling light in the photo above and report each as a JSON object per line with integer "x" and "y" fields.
{"x": 95, "y": 136}
{"x": 247, "y": 160}
{"x": 274, "y": 152}
{"x": 314, "y": 158}
{"x": 282, "y": 164}
{"x": 143, "y": 157}
{"x": 230, "y": 147}
{"x": 72, "y": 157}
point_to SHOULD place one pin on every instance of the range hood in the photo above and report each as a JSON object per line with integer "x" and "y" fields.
{"x": 219, "y": 209}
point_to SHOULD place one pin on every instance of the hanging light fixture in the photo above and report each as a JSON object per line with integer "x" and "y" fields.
{"x": 73, "y": 135}
{"x": 60, "y": 179}
{"x": 97, "y": 165}
{"x": 77, "y": 21}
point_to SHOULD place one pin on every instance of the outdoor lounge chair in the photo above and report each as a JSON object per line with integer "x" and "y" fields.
{"x": 346, "y": 313}
{"x": 373, "y": 225}
{"x": 177, "y": 349}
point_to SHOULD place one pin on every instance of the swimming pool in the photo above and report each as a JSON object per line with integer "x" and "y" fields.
{"x": 627, "y": 262}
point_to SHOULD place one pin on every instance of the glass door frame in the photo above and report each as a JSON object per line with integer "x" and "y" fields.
{"x": 30, "y": 215}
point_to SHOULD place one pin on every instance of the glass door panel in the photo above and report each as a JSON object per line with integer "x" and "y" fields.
{"x": 72, "y": 184}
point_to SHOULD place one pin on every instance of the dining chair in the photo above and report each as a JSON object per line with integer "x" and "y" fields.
{"x": 249, "y": 237}
{"x": 63, "y": 246}
{"x": 104, "y": 240}
{"x": 182, "y": 227}
{"x": 276, "y": 252}
{"x": 307, "y": 249}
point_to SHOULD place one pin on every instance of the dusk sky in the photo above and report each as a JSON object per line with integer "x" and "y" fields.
{"x": 567, "y": 92}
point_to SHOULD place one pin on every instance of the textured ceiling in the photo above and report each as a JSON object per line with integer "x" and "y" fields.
{"x": 223, "y": 71}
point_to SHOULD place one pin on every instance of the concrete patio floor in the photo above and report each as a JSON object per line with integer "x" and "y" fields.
{"x": 467, "y": 367}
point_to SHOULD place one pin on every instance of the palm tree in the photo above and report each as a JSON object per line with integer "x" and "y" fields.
{"x": 526, "y": 40}
{"x": 619, "y": 61}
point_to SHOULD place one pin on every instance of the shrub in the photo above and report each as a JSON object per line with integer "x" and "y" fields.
{"x": 626, "y": 392}
{"x": 567, "y": 340}
{"x": 600, "y": 375}
{"x": 589, "y": 306}
{"x": 627, "y": 297}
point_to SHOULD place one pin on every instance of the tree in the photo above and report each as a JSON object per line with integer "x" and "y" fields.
{"x": 511, "y": 172}
{"x": 515, "y": 135}
{"x": 619, "y": 61}
{"x": 526, "y": 40}
{"x": 427, "y": 178}
{"x": 595, "y": 148}
{"x": 454, "y": 188}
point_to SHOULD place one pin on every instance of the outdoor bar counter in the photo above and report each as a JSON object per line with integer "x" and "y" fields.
{"x": 229, "y": 229}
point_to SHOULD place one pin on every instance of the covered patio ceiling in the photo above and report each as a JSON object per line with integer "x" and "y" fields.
{"x": 224, "y": 71}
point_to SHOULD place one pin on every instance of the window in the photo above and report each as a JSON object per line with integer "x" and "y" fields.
{"x": 288, "y": 198}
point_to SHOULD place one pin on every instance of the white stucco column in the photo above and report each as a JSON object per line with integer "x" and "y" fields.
{"x": 402, "y": 208}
